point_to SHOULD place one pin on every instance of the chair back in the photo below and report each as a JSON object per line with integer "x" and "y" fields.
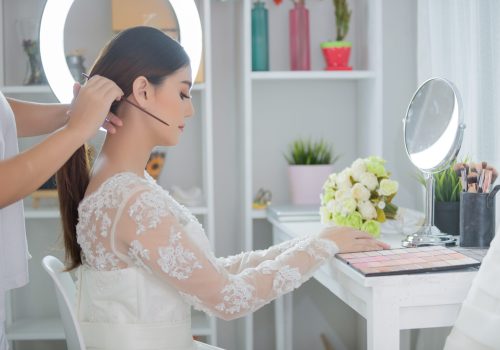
{"x": 66, "y": 295}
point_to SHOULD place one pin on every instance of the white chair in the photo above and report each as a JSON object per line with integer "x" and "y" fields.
{"x": 65, "y": 292}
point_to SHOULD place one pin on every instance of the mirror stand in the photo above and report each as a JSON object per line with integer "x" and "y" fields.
{"x": 428, "y": 234}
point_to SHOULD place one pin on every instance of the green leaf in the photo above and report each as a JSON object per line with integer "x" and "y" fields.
{"x": 302, "y": 152}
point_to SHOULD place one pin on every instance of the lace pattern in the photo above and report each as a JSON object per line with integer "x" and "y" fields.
{"x": 131, "y": 221}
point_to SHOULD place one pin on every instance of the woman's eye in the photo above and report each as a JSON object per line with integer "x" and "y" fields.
{"x": 184, "y": 96}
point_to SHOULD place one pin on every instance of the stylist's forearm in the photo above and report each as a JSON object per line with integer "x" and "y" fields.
{"x": 25, "y": 173}
{"x": 33, "y": 119}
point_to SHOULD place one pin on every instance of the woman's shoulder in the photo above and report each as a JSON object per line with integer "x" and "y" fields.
{"x": 117, "y": 189}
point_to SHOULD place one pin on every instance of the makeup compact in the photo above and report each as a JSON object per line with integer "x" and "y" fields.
{"x": 407, "y": 260}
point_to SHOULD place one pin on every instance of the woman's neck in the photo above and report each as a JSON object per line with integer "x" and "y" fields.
{"x": 125, "y": 151}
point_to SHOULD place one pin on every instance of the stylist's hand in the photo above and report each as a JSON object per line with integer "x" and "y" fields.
{"x": 111, "y": 123}
{"x": 350, "y": 240}
{"x": 91, "y": 106}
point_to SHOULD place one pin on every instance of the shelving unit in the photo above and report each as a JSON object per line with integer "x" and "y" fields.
{"x": 43, "y": 324}
{"x": 278, "y": 106}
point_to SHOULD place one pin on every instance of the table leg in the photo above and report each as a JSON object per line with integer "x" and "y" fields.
{"x": 283, "y": 310}
{"x": 383, "y": 321}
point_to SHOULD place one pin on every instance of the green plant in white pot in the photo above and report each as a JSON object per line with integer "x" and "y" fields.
{"x": 447, "y": 187}
{"x": 337, "y": 53}
{"x": 310, "y": 164}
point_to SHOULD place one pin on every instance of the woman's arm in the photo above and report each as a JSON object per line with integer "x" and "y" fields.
{"x": 150, "y": 235}
{"x": 24, "y": 173}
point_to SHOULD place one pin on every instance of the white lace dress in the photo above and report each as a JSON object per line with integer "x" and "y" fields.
{"x": 147, "y": 260}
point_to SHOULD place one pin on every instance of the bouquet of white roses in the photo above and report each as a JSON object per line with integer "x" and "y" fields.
{"x": 360, "y": 196}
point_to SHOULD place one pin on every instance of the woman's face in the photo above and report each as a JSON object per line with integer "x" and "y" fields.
{"x": 172, "y": 103}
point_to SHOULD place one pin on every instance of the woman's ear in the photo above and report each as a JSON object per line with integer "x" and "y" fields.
{"x": 141, "y": 89}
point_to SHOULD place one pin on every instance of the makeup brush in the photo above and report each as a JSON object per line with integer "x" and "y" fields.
{"x": 472, "y": 178}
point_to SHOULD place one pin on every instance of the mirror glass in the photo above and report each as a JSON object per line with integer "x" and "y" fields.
{"x": 433, "y": 132}
{"x": 90, "y": 24}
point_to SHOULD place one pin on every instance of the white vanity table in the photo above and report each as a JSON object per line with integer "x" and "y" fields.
{"x": 388, "y": 303}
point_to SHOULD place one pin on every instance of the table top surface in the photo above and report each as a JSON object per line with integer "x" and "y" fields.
{"x": 302, "y": 228}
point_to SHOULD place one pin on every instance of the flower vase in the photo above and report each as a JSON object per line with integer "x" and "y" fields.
{"x": 306, "y": 182}
{"x": 260, "y": 37}
{"x": 300, "y": 51}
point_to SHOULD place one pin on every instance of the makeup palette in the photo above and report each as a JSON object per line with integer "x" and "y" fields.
{"x": 407, "y": 260}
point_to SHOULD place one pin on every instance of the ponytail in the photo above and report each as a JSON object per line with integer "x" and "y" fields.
{"x": 72, "y": 181}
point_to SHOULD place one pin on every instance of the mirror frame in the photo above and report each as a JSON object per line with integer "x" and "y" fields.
{"x": 52, "y": 42}
{"x": 457, "y": 142}
{"x": 429, "y": 234}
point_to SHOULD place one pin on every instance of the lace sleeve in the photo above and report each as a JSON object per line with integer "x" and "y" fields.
{"x": 239, "y": 262}
{"x": 151, "y": 234}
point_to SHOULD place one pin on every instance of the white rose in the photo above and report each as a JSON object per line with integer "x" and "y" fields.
{"x": 331, "y": 205}
{"x": 367, "y": 210}
{"x": 342, "y": 194}
{"x": 369, "y": 180}
{"x": 344, "y": 179}
{"x": 360, "y": 192}
{"x": 358, "y": 169}
{"x": 359, "y": 164}
{"x": 326, "y": 215}
{"x": 333, "y": 178}
{"x": 348, "y": 206}
{"x": 388, "y": 187}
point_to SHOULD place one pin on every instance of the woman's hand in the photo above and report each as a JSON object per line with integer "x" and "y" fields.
{"x": 349, "y": 240}
{"x": 90, "y": 109}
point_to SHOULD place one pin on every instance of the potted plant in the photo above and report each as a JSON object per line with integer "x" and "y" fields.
{"x": 447, "y": 188}
{"x": 337, "y": 52}
{"x": 310, "y": 163}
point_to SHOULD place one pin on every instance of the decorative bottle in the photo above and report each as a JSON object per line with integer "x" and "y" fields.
{"x": 260, "y": 37}
{"x": 300, "y": 50}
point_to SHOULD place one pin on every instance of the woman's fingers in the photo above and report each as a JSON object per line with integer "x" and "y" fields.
{"x": 113, "y": 119}
{"x": 111, "y": 123}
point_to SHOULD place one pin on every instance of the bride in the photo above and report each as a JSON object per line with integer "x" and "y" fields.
{"x": 143, "y": 260}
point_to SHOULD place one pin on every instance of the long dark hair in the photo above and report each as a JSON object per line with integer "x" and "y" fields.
{"x": 138, "y": 51}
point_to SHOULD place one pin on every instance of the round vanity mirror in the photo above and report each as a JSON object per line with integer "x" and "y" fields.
{"x": 433, "y": 132}
{"x": 72, "y": 32}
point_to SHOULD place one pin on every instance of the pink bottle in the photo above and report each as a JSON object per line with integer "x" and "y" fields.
{"x": 300, "y": 52}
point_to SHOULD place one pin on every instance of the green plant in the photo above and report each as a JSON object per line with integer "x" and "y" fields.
{"x": 302, "y": 152}
{"x": 342, "y": 18}
{"x": 447, "y": 185}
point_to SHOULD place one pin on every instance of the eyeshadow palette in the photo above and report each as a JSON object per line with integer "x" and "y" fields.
{"x": 407, "y": 260}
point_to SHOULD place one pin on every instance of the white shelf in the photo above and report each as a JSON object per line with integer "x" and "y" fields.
{"x": 36, "y": 329}
{"x": 198, "y": 210}
{"x": 313, "y": 75}
{"x": 53, "y": 213}
{"x": 42, "y": 213}
{"x": 198, "y": 87}
{"x": 259, "y": 214}
{"x": 26, "y": 89}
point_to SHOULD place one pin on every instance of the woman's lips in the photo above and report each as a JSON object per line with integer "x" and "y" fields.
{"x": 181, "y": 127}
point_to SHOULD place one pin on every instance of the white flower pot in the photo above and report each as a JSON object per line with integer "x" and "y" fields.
{"x": 306, "y": 182}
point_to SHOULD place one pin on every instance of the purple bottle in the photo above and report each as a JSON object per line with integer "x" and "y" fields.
{"x": 300, "y": 51}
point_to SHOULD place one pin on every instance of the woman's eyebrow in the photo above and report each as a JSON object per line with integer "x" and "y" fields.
{"x": 190, "y": 84}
